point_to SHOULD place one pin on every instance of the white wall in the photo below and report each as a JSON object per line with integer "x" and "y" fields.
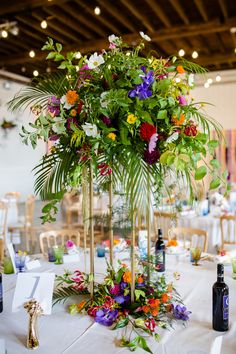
{"x": 16, "y": 159}
{"x": 222, "y": 95}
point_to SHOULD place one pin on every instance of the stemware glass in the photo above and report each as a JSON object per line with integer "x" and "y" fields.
{"x": 58, "y": 254}
{"x": 233, "y": 262}
{"x": 196, "y": 255}
{"x": 20, "y": 262}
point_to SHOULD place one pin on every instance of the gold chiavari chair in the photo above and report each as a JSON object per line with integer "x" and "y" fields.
{"x": 164, "y": 221}
{"x": 228, "y": 230}
{"x": 51, "y": 238}
{"x": 3, "y": 228}
{"x": 195, "y": 237}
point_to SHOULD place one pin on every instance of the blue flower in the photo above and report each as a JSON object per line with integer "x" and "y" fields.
{"x": 106, "y": 317}
{"x": 141, "y": 91}
{"x": 121, "y": 299}
{"x": 181, "y": 313}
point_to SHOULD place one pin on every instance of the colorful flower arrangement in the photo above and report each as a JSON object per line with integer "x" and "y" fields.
{"x": 157, "y": 303}
{"x": 129, "y": 115}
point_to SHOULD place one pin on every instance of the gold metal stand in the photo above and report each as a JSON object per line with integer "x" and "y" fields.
{"x": 148, "y": 219}
{"x": 133, "y": 254}
{"x": 91, "y": 229}
{"x": 34, "y": 310}
{"x": 110, "y": 220}
{"x": 85, "y": 210}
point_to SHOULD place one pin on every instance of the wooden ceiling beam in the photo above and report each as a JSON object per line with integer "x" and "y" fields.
{"x": 111, "y": 26}
{"x": 68, "y": 21}
{"x": 162, "y": 35}
{"x": 159, "y": 12}
{"x": 216, "y": 59}
{"x": 26, "y": 30}
{"x": 53, "y": 23}
{"x": 13, "y": 6}
{"x": 178, "y": 8}
{"x": 223, "y": 9}
{"x": 133, "y": 9}
{"x": 117, "y": 14}
{"x": 84, "y": 20}
{"x": 202, "y": 10}
{"x": 36, "y": 25}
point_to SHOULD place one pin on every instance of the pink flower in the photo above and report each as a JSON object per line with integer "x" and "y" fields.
{"x": 150, "y": 324}
{"x": 69, "y": 244}
{"x": 182, "y": 100}
{"x": 115, "y": 289}
{"x": 153, "y": 142}
{"x": 112, "y": 46}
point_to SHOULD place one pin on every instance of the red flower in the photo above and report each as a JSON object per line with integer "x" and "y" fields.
{"x": 191, "y": 129}
{"x": 150, "y": 324}
{"x": 80, "y": 106}
{"x": 93, "y": 310}
{"x": 104, "y": 169}
{"x": 147, "y": 130}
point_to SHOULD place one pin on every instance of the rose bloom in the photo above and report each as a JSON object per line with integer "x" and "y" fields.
{"x": 147, "y": 130}
{"x": 72, "y": 97}
{"x": 131, "y": 119}
{"x": 112, "y": 136}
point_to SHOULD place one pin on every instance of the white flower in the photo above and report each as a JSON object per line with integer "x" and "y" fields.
{"x": 191, "y": 79}
{"x": 90, "y": 129}
{"x": 145, "y": 36}
{"x": 95, "y": 60}
{"x": 113, "y": 39}
{"x": 103, "y": 101}
{"x": 66, "y": 104}
{"x": 172, "y": 138}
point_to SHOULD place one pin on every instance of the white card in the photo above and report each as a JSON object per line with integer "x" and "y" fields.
{"x": 2, "y": 346}
{"x": 12, "y": 255}
{"x": 32, "y": 264}
{"x": 37, "y": 286}
{"x": 69, "y": 258}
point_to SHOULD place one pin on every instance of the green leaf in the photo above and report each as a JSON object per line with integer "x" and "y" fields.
{"x": 51, "y": 55}
{"x": 165, "y": 156}
{"x": 162, "y": 114}
{"x": 139, "y": 293}
{"x": 184, "y": 157}
{"x": 200, "y": 173}
{"x": 213, "y": 144}
{"x": 59, "y": 57}
{"x": 122, "y": 323}
{"x": 171, "y": 101}
{"x": 202, "y": 137}
{"x": 215, "y": 163}
{"x": 63, "y": 65}
{"x": 225, "y": 174}
{"x": 162, "y": 103}
{"x": 59, "y": 47}
{"x": 143, "y": 344}
{"x": 215, "y": 183}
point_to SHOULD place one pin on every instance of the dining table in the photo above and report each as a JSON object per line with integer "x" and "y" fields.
{"x": 64, "y": 333}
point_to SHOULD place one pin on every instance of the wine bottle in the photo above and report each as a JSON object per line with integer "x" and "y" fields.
{"x": 220, "y": 302}
{"x": 1, "y": 294}
{"x": 208, "y": 203}
{"x": 160, "y": 252}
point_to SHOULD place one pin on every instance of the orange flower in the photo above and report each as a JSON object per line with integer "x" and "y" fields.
{"x": 124, "y": 265}
{"x": 178, "y": 121}
{"x": 140, "y": 280}
{"x": 154, "y": 303}
{"x": 172, "y": 243}
{"x": 72, "y": 97}
{"x": 127, "y": 277}
{"x": 169, "y": 288}
{"x": 154, "y": 312}
{"x": 164, "y": 298}
{"x": 80, "y": 306}
{"x": 145, "y": 308}
{"x": 180, "y": 69}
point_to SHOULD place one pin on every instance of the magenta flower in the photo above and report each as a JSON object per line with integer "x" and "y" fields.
{"x": 114, "y": 290}
{"x": 112, "y": 46}
{"x": 69, "y": 244}
{"x": 106, "y": 120}
{"x": 182, "y": 100}
{"x": 151, "y": 157}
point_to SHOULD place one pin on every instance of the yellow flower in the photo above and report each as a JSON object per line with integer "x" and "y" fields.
{"x": 131, "y": 119}
{"x": 73, "y": 112}
{"x": 112, "y": 136}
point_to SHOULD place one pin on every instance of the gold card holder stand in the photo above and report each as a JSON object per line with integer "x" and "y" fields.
{"x": 34, "y": 310}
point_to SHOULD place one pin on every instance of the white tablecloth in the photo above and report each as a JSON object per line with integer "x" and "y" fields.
{"x": 63, "y": 333}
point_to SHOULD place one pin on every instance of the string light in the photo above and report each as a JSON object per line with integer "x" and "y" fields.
{"x": 97, "y": 10}
{"x": 44, "y": 24}
{"x": 194, "y": 54}
{"x": 4, "y": 34}
{"x": 206, "y": 85}
{"x": 35, "y": 73}
{"x": 181, "y": 52}
{"x": 48, "y": 70}
{"x": 32, "y": 54}
{"x": 218, "y": 78}
{"x": 210, "y": 81}
{"x": 23, "y": 69}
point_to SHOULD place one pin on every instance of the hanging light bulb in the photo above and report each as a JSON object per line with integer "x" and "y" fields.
{"x": 4, "y": 34}
{"x": 35, "y": 73}
{"x": 15, "y": 31}
{"x": 97, "y": 10}
{"x": 32, "y": 54}
{"x": 44, "y": 24}
{"x": 181, "y": 52}
{"x": 195, "y": 54}
{"x": 218, "y": 78}
{"x": 206, "y": 85}
{"x": 210, "y": 81}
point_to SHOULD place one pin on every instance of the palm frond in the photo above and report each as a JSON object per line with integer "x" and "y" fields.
{"x": 191, "y": 67}
{"x": 39, "y": 92}
{"x": 64, "y": 292}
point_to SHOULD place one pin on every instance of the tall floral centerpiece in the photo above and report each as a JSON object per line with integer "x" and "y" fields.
{"x": 121, "y": 118}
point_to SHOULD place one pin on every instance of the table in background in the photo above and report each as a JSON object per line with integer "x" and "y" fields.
{"x": 63, "y": 333}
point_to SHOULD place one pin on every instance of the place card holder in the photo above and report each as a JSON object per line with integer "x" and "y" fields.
{"x": 33, "y": 292}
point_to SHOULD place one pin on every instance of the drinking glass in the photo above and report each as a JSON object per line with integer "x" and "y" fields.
{"x": 101, "y": 251}
{"x": 58, "y": 253}
{"x": 233, "y": 262}
{"x": 20, "y": 262}
{"x": 7, "y": 266}
{"x": 196, "y": 255}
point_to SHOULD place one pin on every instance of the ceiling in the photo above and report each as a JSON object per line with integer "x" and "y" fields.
{"x": 204, "y": 26}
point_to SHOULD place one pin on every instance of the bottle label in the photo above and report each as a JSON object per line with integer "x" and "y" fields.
{"x": 225, "y": 307}
{"x": 0, "y": 291}
{"x": 160, "y": 262}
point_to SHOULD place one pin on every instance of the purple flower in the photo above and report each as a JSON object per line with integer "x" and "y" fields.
{"x": 151, "y": 157}
{"x": 115, "y": 289}
{"x": 123, "y": 285}
{"x": 106, "y": 317}
{"x": 182, "y": 100}
{"x": 106, "y": 120}
{"x": 148, "y": 78}
{"x": 181, "y": 313}
{"x": 54, "y": 105}
{"x": 121, "y": 299}
{"x": 53, "y": 137}
{"x": 141, "y": 91}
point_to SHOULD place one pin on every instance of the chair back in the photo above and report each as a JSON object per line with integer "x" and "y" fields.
{"x": 29, "y": 211}
{"x": 12, "y": 195}
{"x": 51, "y": 238}
{"x": 165, "y": 221}
{"x": 228, "y": 230}
{"x": 191, "y": 237}
{"x": 3, "y": 228}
